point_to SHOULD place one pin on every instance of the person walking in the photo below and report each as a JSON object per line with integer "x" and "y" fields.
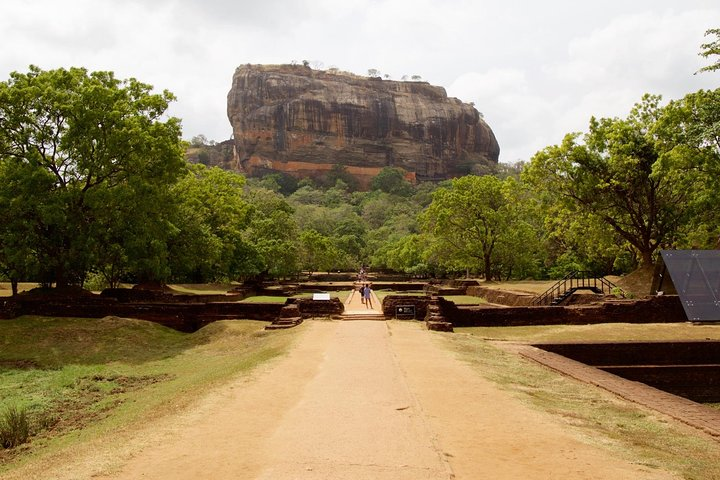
{"x": 362, "y": 294}
{"x": 367, "y": 295}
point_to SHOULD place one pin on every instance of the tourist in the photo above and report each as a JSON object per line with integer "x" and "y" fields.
{"x": 362, "y": 294}
{"x": 367, "y": 295}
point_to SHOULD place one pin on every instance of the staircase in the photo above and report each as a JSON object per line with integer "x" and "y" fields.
{"x": 563, "y": 289}
{"x": 371, "y": 315}
{"x": 289, "y": 317}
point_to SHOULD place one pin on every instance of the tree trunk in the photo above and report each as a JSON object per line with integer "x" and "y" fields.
{"x": 488, "y": 268}
{"x": 646, "y": 259}
{"x": 14, "y": 285}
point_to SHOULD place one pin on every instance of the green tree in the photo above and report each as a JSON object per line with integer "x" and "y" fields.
{"x": 711, "y": 49}
{"x": 131, "y": 231}
{"x": 89, "y": 133}
{"x": 408, "y": 254}
{"x": 316, "y": 251}
{"x": 273, "y": 233}
{"x": 212, "y": 216}
{"x": 689, "y": 133}
{"x": 392, "y": 180}
{"x": 21, "y": 204}
{"x": 468, "y": 220}
{"x": 616, "y": 174}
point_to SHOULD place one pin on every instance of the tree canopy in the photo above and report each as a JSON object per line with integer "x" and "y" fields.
{"x": 471, "y": 220}
{"x": 68, "y": 139}
{"x": 711, "y": 49}
{"x": 621, "y": 173}
{"x": 93, "y": 181}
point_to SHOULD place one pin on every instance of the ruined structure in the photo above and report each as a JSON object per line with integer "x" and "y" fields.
{"x": 305, "y": 122}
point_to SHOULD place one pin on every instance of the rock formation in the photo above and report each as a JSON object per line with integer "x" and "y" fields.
{"x": 290, "y": 118}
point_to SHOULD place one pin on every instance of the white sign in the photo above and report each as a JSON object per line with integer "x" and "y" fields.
{"x": 321, "y": 296}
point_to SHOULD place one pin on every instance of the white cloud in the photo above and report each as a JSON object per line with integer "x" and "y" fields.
{"x": 602, "y": 73}
{"x": 536, "y": 70}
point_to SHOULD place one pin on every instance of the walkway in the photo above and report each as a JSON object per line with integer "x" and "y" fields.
{"x": 368, "y": 400}
{"x": 355, "y": 306}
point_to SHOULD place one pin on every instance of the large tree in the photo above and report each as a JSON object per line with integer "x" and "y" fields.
{"x": 86, "y": 134}
{"x": 620, "y": 172}
{"x": 273, "y": 233}
{"x": 690, "y": 133}
{"x": 470, "y": 219}
{"x": 213, "y": 214}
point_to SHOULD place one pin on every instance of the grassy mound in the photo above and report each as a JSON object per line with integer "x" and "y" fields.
{"x": 92, "y": 376}
{"x": 638, "y": 282}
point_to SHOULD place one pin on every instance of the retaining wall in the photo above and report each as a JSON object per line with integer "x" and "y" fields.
{"x": 663, "y": 309}
{"x": 690, "y": 369}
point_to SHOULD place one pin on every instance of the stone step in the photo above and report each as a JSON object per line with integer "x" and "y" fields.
{"x": 363, "y": 316}
{"x": 284, "y": 323}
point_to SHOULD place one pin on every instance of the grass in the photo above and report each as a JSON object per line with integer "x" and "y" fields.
{"x": 606, "y": 332}
{"x": 382, "y": 293}
{"x": 6, "y": 289}
{"x": 594, "y": 414}
{"x": 341, "y": 295}
{"x": 203, "y": 289}
{"x": 82, "y": 380}
{"x": 465, "y": 299}
{"x": 264, "y": 299}
{"x": 14, "y": 427}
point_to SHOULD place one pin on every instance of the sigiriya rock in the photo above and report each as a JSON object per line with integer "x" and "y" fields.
{"x": 304, "y": 122}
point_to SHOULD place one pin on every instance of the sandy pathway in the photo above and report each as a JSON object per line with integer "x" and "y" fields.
{"x": 370, "y": 400}
{"x": 354, "y": 305}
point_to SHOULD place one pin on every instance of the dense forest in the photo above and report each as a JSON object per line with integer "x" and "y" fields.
{"x": 95, "y": 190}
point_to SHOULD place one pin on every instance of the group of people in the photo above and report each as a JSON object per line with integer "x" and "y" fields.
{"x": 365, "y": 291}
{"x": 366, "y": 295}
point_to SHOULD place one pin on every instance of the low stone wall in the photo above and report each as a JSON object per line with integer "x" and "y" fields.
{"x": 663, "y": 309}
{"x": 318, "y": 308}
{"x": 391, "y": 302}
{"x": 130, "y": 295}
{"x": 186, "y": 317}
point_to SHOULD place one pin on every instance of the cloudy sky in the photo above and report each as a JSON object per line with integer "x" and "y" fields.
{"x": 536, "y": 70}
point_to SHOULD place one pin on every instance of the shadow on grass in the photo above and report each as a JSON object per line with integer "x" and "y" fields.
{"x": 55, "y": 342}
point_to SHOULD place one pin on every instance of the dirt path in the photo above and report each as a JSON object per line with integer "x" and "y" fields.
{"x": 368, "y": 400}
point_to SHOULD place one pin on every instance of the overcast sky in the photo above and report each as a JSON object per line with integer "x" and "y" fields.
{"x": 535, "y": 70}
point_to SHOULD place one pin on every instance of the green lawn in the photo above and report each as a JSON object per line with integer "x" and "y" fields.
{"x": 465, "y": 299}
{"x": 381, "y": 294}
{"x": 341, "y": 295}
{"x": 81, "y": 378}
{"x": 605, "y": 332}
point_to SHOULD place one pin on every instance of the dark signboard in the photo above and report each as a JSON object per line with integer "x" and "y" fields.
{"x": 696, "y": 276}
{"x": 405, "y": 311}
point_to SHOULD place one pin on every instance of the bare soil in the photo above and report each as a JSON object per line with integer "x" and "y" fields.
{"x": 358, "y": 400}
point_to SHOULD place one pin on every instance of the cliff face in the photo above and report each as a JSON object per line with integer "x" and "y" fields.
{"x": 303, "y": 122}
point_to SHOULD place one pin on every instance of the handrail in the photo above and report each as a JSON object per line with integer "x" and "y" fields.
{"x": 580, "y": 279}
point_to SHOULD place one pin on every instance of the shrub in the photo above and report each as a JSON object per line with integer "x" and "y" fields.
{"x": 95, "y": 282}
{"x": 14, "y": 427}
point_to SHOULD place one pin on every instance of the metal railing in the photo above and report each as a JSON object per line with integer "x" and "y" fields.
{"x": 580, "y": 280}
